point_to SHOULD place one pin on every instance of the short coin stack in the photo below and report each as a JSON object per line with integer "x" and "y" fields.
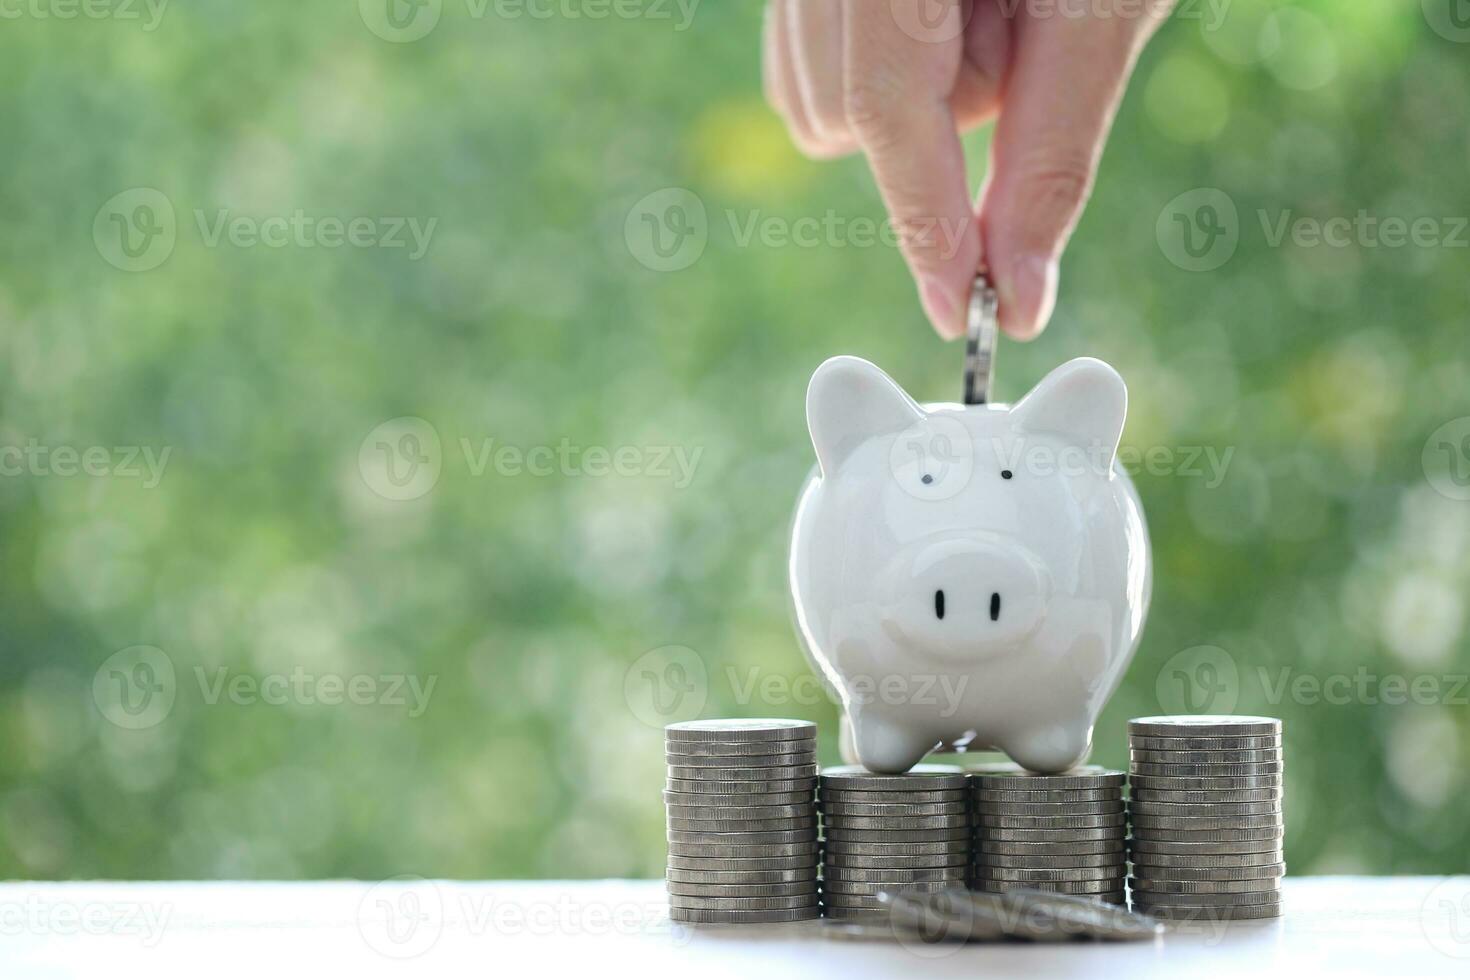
{"x": 1059, "y": 833}
{"x": 742, "y": 823}
{"x": 1205, "y": 805}
{"x": 896, "y": 833}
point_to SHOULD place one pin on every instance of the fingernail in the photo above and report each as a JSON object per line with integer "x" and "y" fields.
{"x": 1030, "y": 296}
{"x": 938, "y": 306}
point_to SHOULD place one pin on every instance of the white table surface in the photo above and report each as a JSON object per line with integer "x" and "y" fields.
{"x": 1333, "y": 927}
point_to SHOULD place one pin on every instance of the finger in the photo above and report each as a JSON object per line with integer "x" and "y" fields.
{"x": 815, "y": 29}
{"x": 896, "y": 98}
{"x": 1067, "y": 77}
{"x": 785, "y": 87}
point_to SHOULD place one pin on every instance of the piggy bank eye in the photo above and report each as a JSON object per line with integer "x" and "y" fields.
{"x": 939, "y": 603}
{"x": 994, "y": 607}
{"x": 926, "y": 479}
{"x": 1006, "y": 474}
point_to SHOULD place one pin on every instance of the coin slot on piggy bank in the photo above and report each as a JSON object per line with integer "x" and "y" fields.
{"x": 961, "y": 569}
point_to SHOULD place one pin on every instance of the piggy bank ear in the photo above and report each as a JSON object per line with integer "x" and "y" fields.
{"x": 848, "y": 402}
{"x": 1084, "y": 401}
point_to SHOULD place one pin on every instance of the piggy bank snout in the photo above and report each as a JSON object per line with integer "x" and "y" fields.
{"x": 964, "y": 598}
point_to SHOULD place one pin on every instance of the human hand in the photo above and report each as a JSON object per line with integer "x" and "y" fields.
{"x": 873, "y": 75}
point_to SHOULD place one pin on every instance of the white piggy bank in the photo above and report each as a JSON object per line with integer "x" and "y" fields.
{"x": 977, "y": 573}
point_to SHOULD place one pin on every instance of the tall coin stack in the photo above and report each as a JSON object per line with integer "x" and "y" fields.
{"x": 904, "y": 832}
{"x": 1061, "y": 833}
{"x": 742, "y": 824}
{"x": 1205, "y": 805}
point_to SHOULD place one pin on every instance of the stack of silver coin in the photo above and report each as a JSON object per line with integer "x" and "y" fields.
{"x": 1205, "y": 805}
{"x": 1059, "y": 833}
{"x": 742, "y": 822}
{"x": 891, "y": 833}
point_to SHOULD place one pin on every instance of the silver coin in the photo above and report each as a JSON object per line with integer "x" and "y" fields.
{"x": 1204, "y": 758}
{"x": 1021, "y": 913}
{"x": 960, "y": 845}
{"x": 729, "y": 787}
{"x": 1071, "y": 822}
{"x": 896, "y": 861}
{"x": 1140, "y": 845}
{"x": 835, "y": 809}
{"x": 1149, "y": 826}
{"x": 1176, "y": 886}
{"x": 1218, "y": 913}
{"x": 1205, "y": 771}
{"x": 741, "y": 826}
{"x": 1109, "y": 886}
{"x": 743, "y": 904}
{"x": 1091, "y": 809}
{"x": 872, "y": 888}
{"x": 922, "y": 777}
{"x": 1150, "y": 808}
{"x": 736, "y": 851}
{"x": 739, "y": 890}
{"x": 735, "y": 799}
{"x": 710, "y": 766}
{"x": 740, "y": 812}
{"x": 1049, "y": 848}
{"x": 741, "y": 730}
{"x": 1047, "y": 836}
{"x": 1175, "y": 784}
{"x": 946, "y": 821}
{"x": 1208, "y": 865}
{"x": 989, "y": 797}
{"x": 911, "y": 796}
{"x": 793, "y": 866}
{"x": 1059, "y": 862}
{"x": 1111, "y": 873}
{"x": 1205, "y": 742}
{"x": 743, "y": 773}
{"x": 894, "y": 875}
{"x": 739, "y": 749}
{"x": 852, "y": 905}
{"x": 834, "y": 834}
{"x": 800, "y": 836}
{"x": 1198, "y": 726}
{"x": 1083, "y": 777}
{"x": 764, "y": 915}
{"x": 1240, "y": 834}
{"x": 1266, "y": 896}
{"x": 872, "y": 916}
{"x": 1205, "y": 797}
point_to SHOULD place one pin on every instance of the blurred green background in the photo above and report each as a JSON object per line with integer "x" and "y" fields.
{"x": 300, "y": 538}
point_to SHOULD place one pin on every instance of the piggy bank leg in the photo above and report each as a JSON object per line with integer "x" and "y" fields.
{"x": 883, "y": 746}
{"x": 1054, "y": 748}
{"x": 847, "y": 743}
